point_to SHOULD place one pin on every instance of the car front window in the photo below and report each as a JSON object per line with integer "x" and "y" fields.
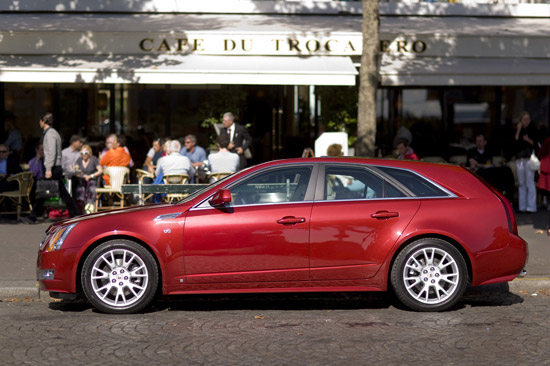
{"x": 288, "y": 184}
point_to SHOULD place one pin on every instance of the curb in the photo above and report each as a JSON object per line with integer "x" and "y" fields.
{"x": 22, "y": 293}
{"x": 530, "y": 284}
{"x": 526, "y": 284}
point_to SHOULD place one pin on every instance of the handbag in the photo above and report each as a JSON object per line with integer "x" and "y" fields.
{"x": 534, "y": 162}
{"x": 46, "y": 188}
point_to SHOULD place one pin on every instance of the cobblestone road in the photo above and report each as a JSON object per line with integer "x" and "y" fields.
{"x": 491, "y": 326}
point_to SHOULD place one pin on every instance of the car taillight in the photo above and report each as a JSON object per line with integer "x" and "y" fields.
{"x": 512, "y": 223}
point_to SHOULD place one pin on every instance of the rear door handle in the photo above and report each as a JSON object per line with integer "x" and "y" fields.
{"x": 384, "y": 215}
{"x": 291, "y": 220}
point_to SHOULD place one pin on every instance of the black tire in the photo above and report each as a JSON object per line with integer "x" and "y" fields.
{"x": 120, "y": 277}
{"x": 429, "y": 275}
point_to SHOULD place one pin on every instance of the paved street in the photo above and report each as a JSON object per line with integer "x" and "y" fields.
{"x": 490, "y": 327}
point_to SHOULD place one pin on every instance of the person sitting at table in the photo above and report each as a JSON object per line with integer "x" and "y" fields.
{"x": 36, "y": 166}
{"x": 70, "y": 154}
{"x": 114, "y": 139}
{"x": 404, "y": 151}
{"x": 115, "y": 156}
{"x": 8, "y": 166}
{"x": 153, "y": 155}
{"x": 86, "y": 182}
{"x": 478, "y": 157}
{"x": 223, "y": 160}
{"x": 174, "y": 162}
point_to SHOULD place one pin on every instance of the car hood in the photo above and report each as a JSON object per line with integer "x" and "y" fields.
{"x": 124, "y": 211}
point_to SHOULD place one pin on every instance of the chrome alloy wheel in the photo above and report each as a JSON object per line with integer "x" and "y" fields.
{"x": 119, "y": 278}
{"x": 431, "y": 275}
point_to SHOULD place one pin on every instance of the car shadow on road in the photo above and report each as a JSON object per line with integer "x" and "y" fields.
{"x": 489, "y": 295}
{"x": 297, "y": 301}
{"x": 497, "y": 294}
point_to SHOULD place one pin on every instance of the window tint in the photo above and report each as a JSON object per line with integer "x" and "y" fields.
{"x": 342, "y": 183}
{"x": 287, "y": 184}
{"x": 418, "y": 185}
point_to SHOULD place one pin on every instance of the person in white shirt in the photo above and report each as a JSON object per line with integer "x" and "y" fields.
{"x": 174, "y": 162}
{"x": 224, "y": 160}
{"x": 70, "y": 154}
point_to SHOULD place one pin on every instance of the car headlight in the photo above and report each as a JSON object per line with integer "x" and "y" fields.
{"x": 57, "y": 239}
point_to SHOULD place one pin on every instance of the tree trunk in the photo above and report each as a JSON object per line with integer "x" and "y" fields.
{"x": 368, "y": 81}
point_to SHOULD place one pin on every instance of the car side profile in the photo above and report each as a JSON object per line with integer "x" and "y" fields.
{"x": 421, "y": 230}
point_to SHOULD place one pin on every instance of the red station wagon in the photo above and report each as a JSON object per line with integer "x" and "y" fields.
{"x": 419, "y": 229}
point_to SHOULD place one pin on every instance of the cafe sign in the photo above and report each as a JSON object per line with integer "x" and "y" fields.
{"x": 274, "y": 45}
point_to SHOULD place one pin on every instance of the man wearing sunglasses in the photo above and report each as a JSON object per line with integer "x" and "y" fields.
{"x": 8, "y": 167}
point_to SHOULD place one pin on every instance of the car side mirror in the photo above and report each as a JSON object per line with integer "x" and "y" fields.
{"x": 221, "y": 198}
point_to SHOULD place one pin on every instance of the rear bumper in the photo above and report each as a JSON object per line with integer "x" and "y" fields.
{"x": 504, "y": 264}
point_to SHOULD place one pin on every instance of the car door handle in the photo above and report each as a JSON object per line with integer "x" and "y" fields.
{"x": 291, "y": 220}
{"x": 384, "y": 215}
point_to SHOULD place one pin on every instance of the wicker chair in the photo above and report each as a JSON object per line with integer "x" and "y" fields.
{"x": 141, "y": 175}
{"x": 214, "y": 177}
{"x": 175, "y": 179}
{"x": 21, "y": 195}
{"x": 118, "y": 175}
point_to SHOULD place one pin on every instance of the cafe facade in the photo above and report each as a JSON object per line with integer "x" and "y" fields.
{"x": 288, "y": 69}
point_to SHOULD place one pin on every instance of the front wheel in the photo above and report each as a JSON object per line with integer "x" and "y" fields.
{"x": 429, "y": 275}
{"x": 120, "y": 277}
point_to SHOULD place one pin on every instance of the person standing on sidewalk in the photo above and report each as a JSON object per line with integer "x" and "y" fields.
{"x": 544, "y": 178}
{"x": 52, "y": 167}
{"x": 526, "y": 135}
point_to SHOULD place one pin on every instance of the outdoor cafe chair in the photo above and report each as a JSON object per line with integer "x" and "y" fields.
{"x": 22, "y": 194}
{"x": 175, "y": 179}
{"x": 214, "y": 177}
{"x": 142, "y": 174}
{"x": 118, "y": 175}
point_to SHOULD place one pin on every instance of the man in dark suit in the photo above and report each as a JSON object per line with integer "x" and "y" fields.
{"x": 8, "y": 167}
{"x": 239, "y": 138}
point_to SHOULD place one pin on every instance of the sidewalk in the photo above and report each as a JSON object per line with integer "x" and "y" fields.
{"x": 19, "y": 246}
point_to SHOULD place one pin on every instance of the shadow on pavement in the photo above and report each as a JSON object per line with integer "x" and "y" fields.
{"x": 489, "y": 295}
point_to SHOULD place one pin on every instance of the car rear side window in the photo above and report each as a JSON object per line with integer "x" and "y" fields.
{"x": 344, "y": 183}
{"x": 418, "y": 185}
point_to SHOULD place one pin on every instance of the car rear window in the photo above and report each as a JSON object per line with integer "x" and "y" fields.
{"x": 418, "y": 185}
{"x": 345, "y": 182}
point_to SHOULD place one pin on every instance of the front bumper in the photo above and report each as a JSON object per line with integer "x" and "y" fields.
{"x": 55, "y": 271}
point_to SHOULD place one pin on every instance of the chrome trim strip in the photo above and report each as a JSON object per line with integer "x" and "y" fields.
{"x": 330, "y": 201}
{"x": 252, "y": 205}
{"x": 167, "y": 216}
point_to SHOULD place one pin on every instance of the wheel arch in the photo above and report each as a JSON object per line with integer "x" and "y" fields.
{"x": 446, "y": 238}
{"x": 90, "y": 248}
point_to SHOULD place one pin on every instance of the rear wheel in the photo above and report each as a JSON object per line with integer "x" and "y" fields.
{"x": 120, "y": 277}
{"x": 429, "y": 275}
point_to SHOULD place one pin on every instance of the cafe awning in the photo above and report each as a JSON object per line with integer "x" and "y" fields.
{"x": 426, "y": 71}
{"x": 178, "y": 69}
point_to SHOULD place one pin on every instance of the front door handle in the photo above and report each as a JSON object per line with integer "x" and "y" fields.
{"x": 291, "y": 220}
{"x": 384, "y": 215}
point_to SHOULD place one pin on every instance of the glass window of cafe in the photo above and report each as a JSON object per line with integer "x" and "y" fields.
{"x": 445, "y": 120}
